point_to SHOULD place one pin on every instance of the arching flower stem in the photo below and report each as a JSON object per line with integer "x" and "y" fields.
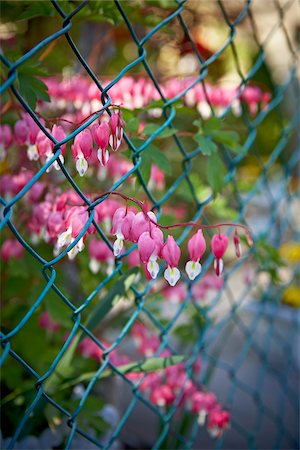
{"x": 196, "y": 225}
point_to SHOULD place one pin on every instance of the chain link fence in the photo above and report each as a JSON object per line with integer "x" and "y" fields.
{"x": 248, "y": 349}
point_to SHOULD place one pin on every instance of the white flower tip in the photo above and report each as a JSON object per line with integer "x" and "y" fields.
{"x": 118, "y": 245}
{"x": 103, "y": 156}
{"x": 81, "y": 166}
{"x": 193, "y": 269}
{"x": 218, "y": 266}
{"x": 202, "y": 417}
{"x": 32, "y": 153}
{"x": 172, "y": 275}
{"x": 80, "y": 245}
{"x": 94, "y": 265}
{"x": 64, "y": 238}
{"x": 153, "y": 268}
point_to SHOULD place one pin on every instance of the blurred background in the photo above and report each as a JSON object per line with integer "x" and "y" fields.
{"x": 246, "y": 330}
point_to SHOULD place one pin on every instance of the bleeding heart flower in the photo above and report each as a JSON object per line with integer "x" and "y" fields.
{"x": 101, "y": 137}
{"x": 196, "y": 247}
{"x": 171, "y": 254}
{"x": 219, "y": 245}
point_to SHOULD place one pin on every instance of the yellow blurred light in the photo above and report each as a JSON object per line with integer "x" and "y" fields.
{"x": 290, "y": 251}
{"x": 291, "y": 296}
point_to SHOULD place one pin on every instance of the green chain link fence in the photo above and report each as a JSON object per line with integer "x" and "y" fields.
{"x": 240, "y": 350}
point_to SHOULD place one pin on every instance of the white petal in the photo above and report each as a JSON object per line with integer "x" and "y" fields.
{"x": 65, "y": 238}
{"x": 94, "y": 265}
{"x": 204, "y": 110}
{"x": 110, "y": 266}
{"x": 56, "y": 165}
{"x": 32, "y": 153}
{"x": 103, "y": 161}
{"x": 80, "y": 245}
{"x": 81, "y": 166}
{"x": 202, "y": 417}
{"x": 193, "y": 268}
{"x": 218, "y": 266}
{"x": 118, "y": 245}
{"x": 172, "y": 275}
{"x": 153, "y": 268}
{"x": 73, "y": 252}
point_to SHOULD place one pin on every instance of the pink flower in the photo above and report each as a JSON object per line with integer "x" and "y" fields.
{"x": 202, "y": 401}
{"x": 21, "y": 132}
{"x": 171, "y": 254}
{"x": 55, "y": 224}
{"x": 218, "y": 421}
{"x": 59, "y": 134}
{"x": 219, "y": 245}
{"x": 101, "y": 137}
{"x": 46, "y": 322}
{"x": 237, "y": 245}
{"x": 162, "y": 395}
{"x": 141, "y": 224}
{"x": 75, "y": 220}
{"x": 133, "y": 258}
{"x": 11, "y": 248}
{"x": 99, "y": 252}
{"x": 151, "y": 382}
{"x": 117, "y": 124}
{"x": 42, "y": 212}
{"x": 82, "y": 150}
{"x": 121, "y": 227}
{"x": 26, "y": 132}
{"x": 157, "y": 178}
{"x": 5, "y": 140}
{"x": 196, "y": 247}
{"x": 150, "y": 246}
{"x": 44, "y": 144}
{"x": 20, "y": 180}
{"x": 89, "y": 349}
{"x": 36, "y": 191}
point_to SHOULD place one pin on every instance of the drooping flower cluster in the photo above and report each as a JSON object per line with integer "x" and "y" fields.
{"x": 103, "y": 134}
{"x": 165, "y": 386}
{"x": 40, "y": 147}
{"x": 162, "y": 387}
{"x": 142, "y": 228}
{"x": 135, "y": 93}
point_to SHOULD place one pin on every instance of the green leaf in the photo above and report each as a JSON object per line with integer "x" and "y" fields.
{"x": 32, "y": 89}
{"x": 132, "y": 125}
{"x": 36, "y": 9}
{"x": 145, "y": 167}
{"x": 215, "y": 173}
{"x": 154, "y": 104}
{"x": 229, "y": 138}
{"x": 64, "y": 367}
{"x": 118, "y": 291}
{"x": 151, "y": 128}
{"x": 206, "y": 145}
{"x": 33, "y": 69}
{"x": 144, "y": 366}
{"x": 197, "y": 123}
{"x": 214, "y": 123}
{"x": 159, "y": 159}
{"x": 167, "y": 132}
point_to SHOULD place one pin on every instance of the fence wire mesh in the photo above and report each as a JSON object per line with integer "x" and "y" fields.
{"x": 247, "y": 350}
